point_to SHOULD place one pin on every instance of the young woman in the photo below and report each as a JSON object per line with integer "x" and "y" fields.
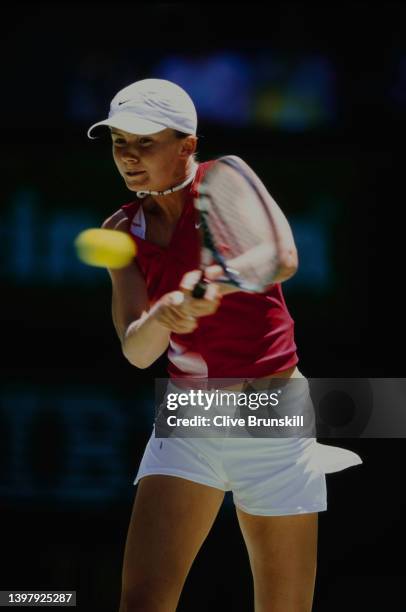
{"x": 278, "y": 484}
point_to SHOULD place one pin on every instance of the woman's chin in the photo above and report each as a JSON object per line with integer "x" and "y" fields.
{"x": 133, "y": 187}
{"x": 136, "y": 185}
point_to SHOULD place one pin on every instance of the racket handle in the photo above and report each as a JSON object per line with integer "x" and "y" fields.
{"x": 200, "y": 289}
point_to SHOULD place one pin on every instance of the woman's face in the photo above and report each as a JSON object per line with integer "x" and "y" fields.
{"x": 152, "y": 162}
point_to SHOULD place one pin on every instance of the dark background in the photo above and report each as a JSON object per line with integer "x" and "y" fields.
{"x": 74, "y": 415}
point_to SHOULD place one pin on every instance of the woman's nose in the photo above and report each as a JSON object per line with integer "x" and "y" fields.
{"x": 128, "y": 154}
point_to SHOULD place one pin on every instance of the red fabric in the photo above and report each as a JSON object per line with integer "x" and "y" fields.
{"x": 249, "y": 336}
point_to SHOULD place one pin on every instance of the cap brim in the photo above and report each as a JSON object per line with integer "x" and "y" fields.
{"x": 128, "y": 123}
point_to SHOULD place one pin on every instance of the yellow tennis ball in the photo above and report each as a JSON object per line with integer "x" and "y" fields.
{"x": 105, "y": 248}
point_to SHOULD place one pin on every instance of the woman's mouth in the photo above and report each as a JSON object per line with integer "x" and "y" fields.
{"x": 133, "y": 173}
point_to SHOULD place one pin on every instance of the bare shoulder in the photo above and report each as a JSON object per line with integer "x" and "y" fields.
{"x": 131, "y": 273}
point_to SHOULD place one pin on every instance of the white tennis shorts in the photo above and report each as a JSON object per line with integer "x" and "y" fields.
{"x": 267, "y": 476}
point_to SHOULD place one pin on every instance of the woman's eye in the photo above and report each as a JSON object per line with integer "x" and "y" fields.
{"x": 143, "y": 142}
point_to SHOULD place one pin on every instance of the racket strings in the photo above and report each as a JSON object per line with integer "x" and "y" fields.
{"x": 231, "y": 225}
{"x": 240, "y": 232}
{"x": 230, "y": 219}
{"x": 230, "y": 245}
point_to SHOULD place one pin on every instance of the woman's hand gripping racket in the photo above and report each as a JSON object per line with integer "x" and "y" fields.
{"x": 237, "y": 228}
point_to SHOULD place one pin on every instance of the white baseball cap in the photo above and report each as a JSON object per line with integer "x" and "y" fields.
{"x": 150, "y": 106}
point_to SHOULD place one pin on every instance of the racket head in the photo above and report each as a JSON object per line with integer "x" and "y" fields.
{"x": 236, "y": 226}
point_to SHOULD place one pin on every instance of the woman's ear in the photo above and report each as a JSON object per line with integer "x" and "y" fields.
{"x": 188, "y": 146}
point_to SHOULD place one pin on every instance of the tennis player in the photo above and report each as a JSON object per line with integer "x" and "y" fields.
{"x": 278, "y": 485}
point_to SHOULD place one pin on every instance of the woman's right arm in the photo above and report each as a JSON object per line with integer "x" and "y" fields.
{"x": 144, "y": 332}
{"x": 142, "y": 338}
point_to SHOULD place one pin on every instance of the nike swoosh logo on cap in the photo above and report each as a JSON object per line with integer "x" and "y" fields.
{"x": 123, "y": 102}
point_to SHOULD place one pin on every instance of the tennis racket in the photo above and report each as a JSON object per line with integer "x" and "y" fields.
{"x": 237, "y": 227}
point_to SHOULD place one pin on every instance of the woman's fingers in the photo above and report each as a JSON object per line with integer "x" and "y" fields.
{"x": 212, "y": 292}
{"x": 198, "y": 306}
{"x": 212, "y": 274}
{"x": 190, "y": 280}
{"x": 179, "y": 311}
{"x": 170, "y": 315}
{"x": 216, "y": 273}
{"x": 173, "y": 320}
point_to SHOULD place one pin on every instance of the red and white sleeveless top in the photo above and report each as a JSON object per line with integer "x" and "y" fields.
{"x": 249, "y": 336}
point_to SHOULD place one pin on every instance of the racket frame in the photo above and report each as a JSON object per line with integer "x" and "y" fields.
{"x": 202, "y": 204}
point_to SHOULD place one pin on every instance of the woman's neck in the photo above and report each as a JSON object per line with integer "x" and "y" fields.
{"x": 171, "y": 204}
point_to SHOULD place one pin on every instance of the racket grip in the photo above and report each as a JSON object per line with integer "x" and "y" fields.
{"x": 200, "y": 289}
